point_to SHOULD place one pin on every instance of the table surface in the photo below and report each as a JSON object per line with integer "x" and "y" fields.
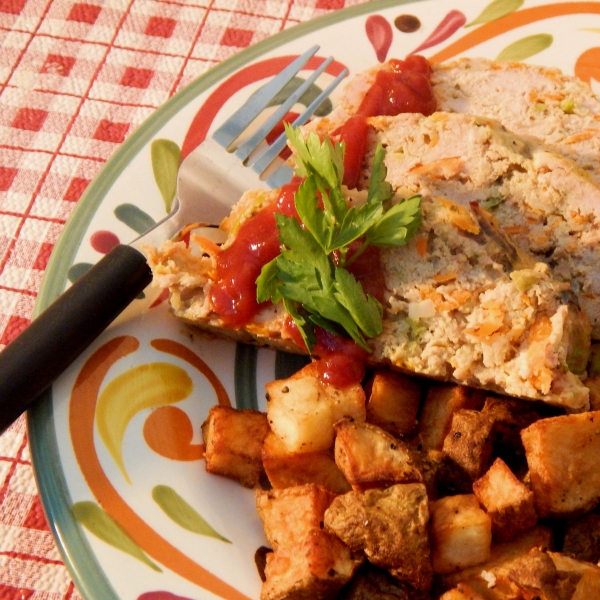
{"x": 72, "y": 73}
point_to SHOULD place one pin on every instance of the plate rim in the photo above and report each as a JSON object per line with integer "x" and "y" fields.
{"x": 81, "y": 562}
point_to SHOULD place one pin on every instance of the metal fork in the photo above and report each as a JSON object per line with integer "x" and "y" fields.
{"x": 211, "y": 179}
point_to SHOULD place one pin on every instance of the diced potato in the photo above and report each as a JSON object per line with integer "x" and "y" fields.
{"x": 587, "y": 575}
{"x": 431, "y": 464}
{"x": 563, "y": 454}
{"x": 582, "y": 538}
{"x": 510, "y": 416}
{"x": 441, "y": 402}
{"x": 287, "y": 469}
{"x": 307, "y": 561}
{"x": 502, "y": 556}
{"x": 536, "y": 575}
{"x": 374, "y": 583}
{"x": 390, "y": 526}
{"x": 233, "y": 440}
{"x": 468, "y": 442}
{"x": 461, "y": 533}
{"x": 302, "y": 409}
{"x": 593, "y": 384}
{"x": 508, "y": 502}
{"x": 393, "y": 402}
{"x": 370, "y": 457}
{"x": 463, "y": 591}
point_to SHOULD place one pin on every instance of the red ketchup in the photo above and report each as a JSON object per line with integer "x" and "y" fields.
{"x": 340, "y": 361}
{"x": 239, "y": 265}
{"x": 405, "y": 88}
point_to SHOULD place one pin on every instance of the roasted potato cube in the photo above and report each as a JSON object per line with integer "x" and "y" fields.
{"x": 582, "y": 538}
{"x": 307, "y": 560}
{"x": 593, "y": 384}
{"x": 463, "y": 591}
{"x": 288, "y": 469}
{"x": 537, "y": 576}
{"x": 587, "y": 575}
{"x": 233, "y": 440}
{"x": 302, "y": 409}
{"x": 509, "y": 503}
{"x": 461, "y": 533}
{"x": 374, "y": 583}
{"x": 493, "y": 573}
{"x": 431, "y": 464}
{"x": 390, "y": 526}
{"x": 393, "y": 402}
{"x": 563, "y": 454}
{"x": 441, "y": 402}
{"x": 510, "y": 416}
{"x": 370, "y": 457}
{"x": 469, "y": 442}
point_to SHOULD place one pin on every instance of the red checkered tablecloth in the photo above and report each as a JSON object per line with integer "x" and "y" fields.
{"x": 77, "y": 78}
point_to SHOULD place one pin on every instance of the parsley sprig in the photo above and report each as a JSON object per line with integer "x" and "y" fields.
{"x": 316, "y": 289}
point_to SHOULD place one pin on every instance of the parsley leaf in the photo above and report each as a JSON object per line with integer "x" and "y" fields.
{"x": 315, "y": 287}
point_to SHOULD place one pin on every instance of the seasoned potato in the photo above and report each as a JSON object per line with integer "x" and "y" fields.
{"x": 370, "y": 457}
{"x": 233, "y": 440}
{"x": 586, "y": 576}
{"x": 461, "y": 533}
{"x": 593, "y": 384}
{"x": 302, "y": 409}
{"x": 502, "y": 556}
{"x": 307, "y": 561}
{"x": 563, "y": 454}
{"x": 582, "y": 538}
{"x": 509, "y": 503}
{"x": 463, "y": 591}
{"x": 374, "y": 583}
{"x": 287, "y": 469}
{"x": 441, "y": 402}
{"x": 390, "y": 526}
{"x": 393, "y": 402}
{"x": 537, "y": 576}
{"x": 510, "y": 417}
{"x": 468, "y": 442}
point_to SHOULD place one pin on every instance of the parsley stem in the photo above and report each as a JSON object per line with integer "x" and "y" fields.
{"x": 356, "y": 254}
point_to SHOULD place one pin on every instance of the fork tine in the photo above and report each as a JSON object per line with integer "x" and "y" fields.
{"x": 245, "y": 149}
{"x": 283, "y": 174}
{"x": 234, "y": 126}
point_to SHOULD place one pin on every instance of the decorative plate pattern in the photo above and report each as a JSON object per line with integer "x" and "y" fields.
{"x": 117, "y": 445}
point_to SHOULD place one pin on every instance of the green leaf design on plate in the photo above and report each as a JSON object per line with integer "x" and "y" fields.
{"x": 98, "y": 522}
{"x": 526, "y": 47}
{"x": 134, "y": 217}
{"x": 77, "y": 270}
{"x": 166, "y": 157}
{"x": 178, "y": 510}
{"x": 496, "y": 10}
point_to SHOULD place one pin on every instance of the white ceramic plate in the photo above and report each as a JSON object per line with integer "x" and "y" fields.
{"x": 116, "y": 445}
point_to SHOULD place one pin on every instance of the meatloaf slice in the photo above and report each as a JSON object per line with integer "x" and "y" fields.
{"x": 560, "y": 110}
{"x": 461, "y": 304}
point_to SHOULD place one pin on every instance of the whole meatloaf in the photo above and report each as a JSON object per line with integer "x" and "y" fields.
{"x": 461, "y": 304}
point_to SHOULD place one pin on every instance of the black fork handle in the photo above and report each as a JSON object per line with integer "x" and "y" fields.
{"x": 35, "y": 358}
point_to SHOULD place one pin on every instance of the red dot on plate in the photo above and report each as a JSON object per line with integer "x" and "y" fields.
{"x": 104, "y": 241}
